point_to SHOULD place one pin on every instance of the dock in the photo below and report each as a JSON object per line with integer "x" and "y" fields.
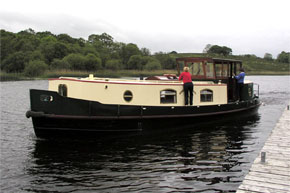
{"x": 270, "y": 171}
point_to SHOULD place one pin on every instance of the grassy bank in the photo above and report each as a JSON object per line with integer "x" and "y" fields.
{"x": 12, "y": 76}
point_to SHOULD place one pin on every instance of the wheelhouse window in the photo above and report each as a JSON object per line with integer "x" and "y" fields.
{"x": 128, "y": 96}
{"x": 196, "y": 69}
{"x": 206, "y": 95}
{"x": 181, "y": 65}
{"x": 62, "y": 90}
{"x": 209, "y": 70}
{"x": 221, "y": 70}
{"x": 168, "y": 96}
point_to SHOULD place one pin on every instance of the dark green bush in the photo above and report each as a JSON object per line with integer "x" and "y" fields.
{"x": 114, "y": 64}
{"x": 35, "y": 68}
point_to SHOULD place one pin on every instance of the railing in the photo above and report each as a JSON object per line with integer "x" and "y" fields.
{"x": 256, "y": 90}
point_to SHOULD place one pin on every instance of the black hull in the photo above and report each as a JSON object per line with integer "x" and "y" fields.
{"x": 54, "y": 115}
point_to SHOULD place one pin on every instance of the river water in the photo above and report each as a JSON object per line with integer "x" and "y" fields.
{"x": 205, "y": 158}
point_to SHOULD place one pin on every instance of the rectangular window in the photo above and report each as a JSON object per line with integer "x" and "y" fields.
{"x": 219, "y": 70}
{"x": 181, "y": 65}
{"x": 225, "y": 70}
{"x": 196, "y": 69}
{"x": 206, "y": 96}
{"x": 168, "y": 96}
{"x": 209, "y": 70}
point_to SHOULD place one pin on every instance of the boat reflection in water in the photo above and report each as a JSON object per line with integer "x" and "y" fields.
{"x": 210, "y": 157}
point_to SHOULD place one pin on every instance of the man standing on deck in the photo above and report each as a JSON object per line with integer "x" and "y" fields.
{"x": 240, "y": 83}
{"x": 187, "y": 85}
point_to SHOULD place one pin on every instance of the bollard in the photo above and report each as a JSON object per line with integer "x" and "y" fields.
{"x": 288, "y": 107}
{"x": 263, "y": 157}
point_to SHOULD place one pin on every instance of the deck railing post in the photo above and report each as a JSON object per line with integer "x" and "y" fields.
{"x": 263, "y": 157}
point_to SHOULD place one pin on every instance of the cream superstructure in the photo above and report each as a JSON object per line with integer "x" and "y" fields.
{"x": 143, "y": 92}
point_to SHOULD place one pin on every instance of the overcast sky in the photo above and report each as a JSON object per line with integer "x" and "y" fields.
{"x": 247, "y": 26}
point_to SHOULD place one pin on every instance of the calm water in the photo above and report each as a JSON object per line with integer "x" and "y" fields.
{"x": 205, "y": 158}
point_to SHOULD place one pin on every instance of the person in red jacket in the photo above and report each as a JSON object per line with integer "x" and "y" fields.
{"x": 187, "y": 85}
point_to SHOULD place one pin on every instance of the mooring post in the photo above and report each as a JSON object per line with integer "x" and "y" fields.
{"x": 263, "y": 157}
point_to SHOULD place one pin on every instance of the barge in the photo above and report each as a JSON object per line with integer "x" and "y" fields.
{"x": 92, "y": 105}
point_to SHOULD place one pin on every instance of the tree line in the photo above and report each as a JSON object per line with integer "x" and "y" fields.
{"x": 32, "y": 53}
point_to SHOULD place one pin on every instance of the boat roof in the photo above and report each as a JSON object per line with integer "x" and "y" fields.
{"x": 197, "y": 59}
{"x": 128, "y": 81}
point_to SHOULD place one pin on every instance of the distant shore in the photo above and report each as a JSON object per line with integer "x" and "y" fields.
{"x": 111, "y": 74}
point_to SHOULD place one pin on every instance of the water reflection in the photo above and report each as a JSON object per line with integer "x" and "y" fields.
{"x": 208, "y": 157}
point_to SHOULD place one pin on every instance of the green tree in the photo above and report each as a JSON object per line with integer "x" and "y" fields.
{"x": 65, "y": 38}
{"x": 47, "y": 47}
{"x": 35, "y": 68}
{"x": 59, "y": 64}
{"x": 225, "y": 51}
{"x": 153, "y": 65}
{"x": 15, "y": 62}
{"x": 127, "y": 51}
{"x": 135, "y": 62}
{"x": 145, "y": 52}
{"x": 167, "y": 62}
{"x": 92, "y": 62}
{"x": 105, "y": 39}
{"x": 206, "y": 49}
{"x": 26, "y": 41}
{"x": 7, "y": 47}
{"x": 75, "y": 61}
{"x": 36, "y": 55}
{"x": 284, "y": 57}
{"x": 268, "y": 56}
{"x": 114, "y": 64}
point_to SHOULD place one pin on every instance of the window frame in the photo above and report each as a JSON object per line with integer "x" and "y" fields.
{"x": 128, "y": 96}
{"x": 62, "y": 90}
{"x": 164, "y": 95}
{"x": 206, "y": 97}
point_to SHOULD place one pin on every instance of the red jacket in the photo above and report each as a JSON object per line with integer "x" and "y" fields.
{"x": 185, "y": 76}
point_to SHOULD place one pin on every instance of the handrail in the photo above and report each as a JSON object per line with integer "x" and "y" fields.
{"x": 256, "y": 90}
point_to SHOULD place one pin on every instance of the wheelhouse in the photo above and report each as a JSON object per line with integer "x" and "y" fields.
{"x": 209, "y": 68}
{"x": 212, "y": 69}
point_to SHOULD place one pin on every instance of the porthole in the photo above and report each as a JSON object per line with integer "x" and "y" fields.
{"x": 46, "y": 98}
{"x": 128, "y": 96}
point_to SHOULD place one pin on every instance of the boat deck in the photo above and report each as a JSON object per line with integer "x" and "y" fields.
{"x": 270, "y": 171}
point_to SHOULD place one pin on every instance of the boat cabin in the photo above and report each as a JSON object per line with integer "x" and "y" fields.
{"x": 214, "y": 84}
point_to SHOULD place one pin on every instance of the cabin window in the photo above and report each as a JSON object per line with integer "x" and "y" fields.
{"x": 128, "y": 96}
{"x": 46, "y": 98}
{"x": 206, "y": 95}
{"x": 168, "y": 96}
{"x": 62, "y": 90}
{"x": 209, "y": 70}
{"x": 197, "y": 69}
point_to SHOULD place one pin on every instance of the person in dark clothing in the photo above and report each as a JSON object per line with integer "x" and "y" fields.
{"x": 240, "y": 83}
{"x": 187, "y": 85}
